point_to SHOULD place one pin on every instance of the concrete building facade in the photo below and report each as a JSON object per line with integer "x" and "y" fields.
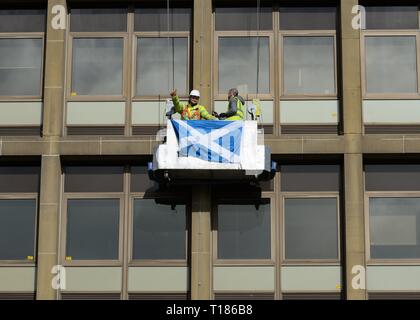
{"x": 82, "y": 96}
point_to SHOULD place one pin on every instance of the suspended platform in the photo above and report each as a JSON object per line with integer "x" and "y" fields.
{"x": 212, "y": 152}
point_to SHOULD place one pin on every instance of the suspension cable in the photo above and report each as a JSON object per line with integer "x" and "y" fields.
{"x": 258, "y": 46}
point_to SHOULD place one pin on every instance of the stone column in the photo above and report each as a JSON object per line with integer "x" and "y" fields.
{"x": 53, "y": 106}
{"x": 353, "y": 157}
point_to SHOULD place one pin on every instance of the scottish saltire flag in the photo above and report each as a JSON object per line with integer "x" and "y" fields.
{"x": 215, "y": 141}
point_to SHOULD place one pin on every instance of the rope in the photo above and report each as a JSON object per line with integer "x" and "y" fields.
{"x": 258, "y": 46}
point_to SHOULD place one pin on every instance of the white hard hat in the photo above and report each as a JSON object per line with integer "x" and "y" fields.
{"x": 195, "y": 93}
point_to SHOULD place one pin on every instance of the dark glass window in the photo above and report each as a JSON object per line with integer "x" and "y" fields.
{"x": 392, "y": 177}
{"x": 310, "y": 177}
{"x": 92, "y": 229}
{"x": 243, "y": 18}
{"x": 22, "y": 20}
{"x": 392, "y": 17}
{"x": 244, "y": 231}
{"x": 17, "y": 229}
{"x": 19, "y": 179}
{"x": 98, "y": 20}
{"x": 158, "y": 230}
{"x": 308, "y": 18}
{"x": 311, "y": 228}
{"x": 156, "y": 19}
{"x": 93, "y": 179}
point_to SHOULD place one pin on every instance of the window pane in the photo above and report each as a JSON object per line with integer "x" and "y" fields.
{"x": 394, "y": 228}
{"x": 22, "y": 20}
{"x": 392, "y": 177}
{"x": 17, "y": 229}
{"x": 156, "y": 19}
{"x": 243, "y": 232}
{"x": 238, "y": 67}
{"x": 20, "y": 67}
{"x": 243, "y": 18}
{"x": 159, "y": 231}
{"x": 19, "y": 178}
{"x": 392, "y": 17}
{"x": 97, "y": 66}
{"x": 93, "y": 179}
{"x": 158, "y": 60}
{"x": 307, "y": 177}
{"x": 311, "y": 228}
{"x": 391, "y": 64}
{"x": 98, "y": 19}
{"x": 308, "y": 18}
{"x": 309, "y": 65}
{"x": 92, "y": 229}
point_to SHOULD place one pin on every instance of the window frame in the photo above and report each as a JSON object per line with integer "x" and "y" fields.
{"x": 130, "y": 233}
{"x": 271, "y": 62}
{"x": 24, "y": 196}
{"x": 306, "y": 33}
{"x": 70, "y": 64}
{"x": 309, "y": 195}
{"x": 388, "y": 33}
{"x": 92, "y": 196}
{"x": 384, "y": 194}
{"x": 27, "y": 35}
{"x": 216, "y": 261}
{"x": 163, "y": 35}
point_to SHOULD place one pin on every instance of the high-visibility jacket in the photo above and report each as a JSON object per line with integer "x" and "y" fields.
{"x": 189, "y": 112}
{"x": 236, "y": 109}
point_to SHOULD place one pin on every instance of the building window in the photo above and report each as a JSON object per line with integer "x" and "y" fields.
{"x": 21, "y": 52}
{"x": 391, "y": 64}
{"x": 97, "y": 66}
{"x": 394, "y": 227}
{"x": 308, "y": 64}
{"x": 244, "y": 52}
{"x": 393, "y": 211}
{"x": 311, "y": 228}
{"x": 97, "y": 59}
{"x": 389, "y": 51}
{"x": 244, "y": 231}
{"x": 17, "y": 229}
{"x": 391, "y": 17}
{"x": 159, "y": 231}
{"x": 308, "y": 51}
{"x": 162, "y": 64}
{"x": 92, "y": 229}
{"x": 310, "y": 213}
{"x": 162, "y": 51}
{"x": 93, "y": 213}
{"x": 19, "y": 187}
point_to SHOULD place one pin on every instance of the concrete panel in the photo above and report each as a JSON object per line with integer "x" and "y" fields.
{"x": 93, "y": 279}
{"x": 244, "y": 278}
{"x": 95, "y": 113}
{"x": 311, "y": 278}
{"x": 20, "y": 113}
{"x": 309, "y": 112}
{"x": 391, "y": 111}
{"x": 150, "y": 112}
{"x": 267, "y": 110}
{"x": 157, "y": 279}
{"x": 393, "y": 278}
{"x": 17, "y": 279}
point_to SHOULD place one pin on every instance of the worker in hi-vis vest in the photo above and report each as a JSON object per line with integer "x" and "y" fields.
{"x": 235, "y": 106}
{"x": 192, "y": 110}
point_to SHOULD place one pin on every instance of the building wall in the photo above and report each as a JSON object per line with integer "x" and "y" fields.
{"x": 82, "y": 124}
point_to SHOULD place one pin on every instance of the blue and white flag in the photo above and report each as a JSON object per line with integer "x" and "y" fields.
{"x": 214, "y": 141}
